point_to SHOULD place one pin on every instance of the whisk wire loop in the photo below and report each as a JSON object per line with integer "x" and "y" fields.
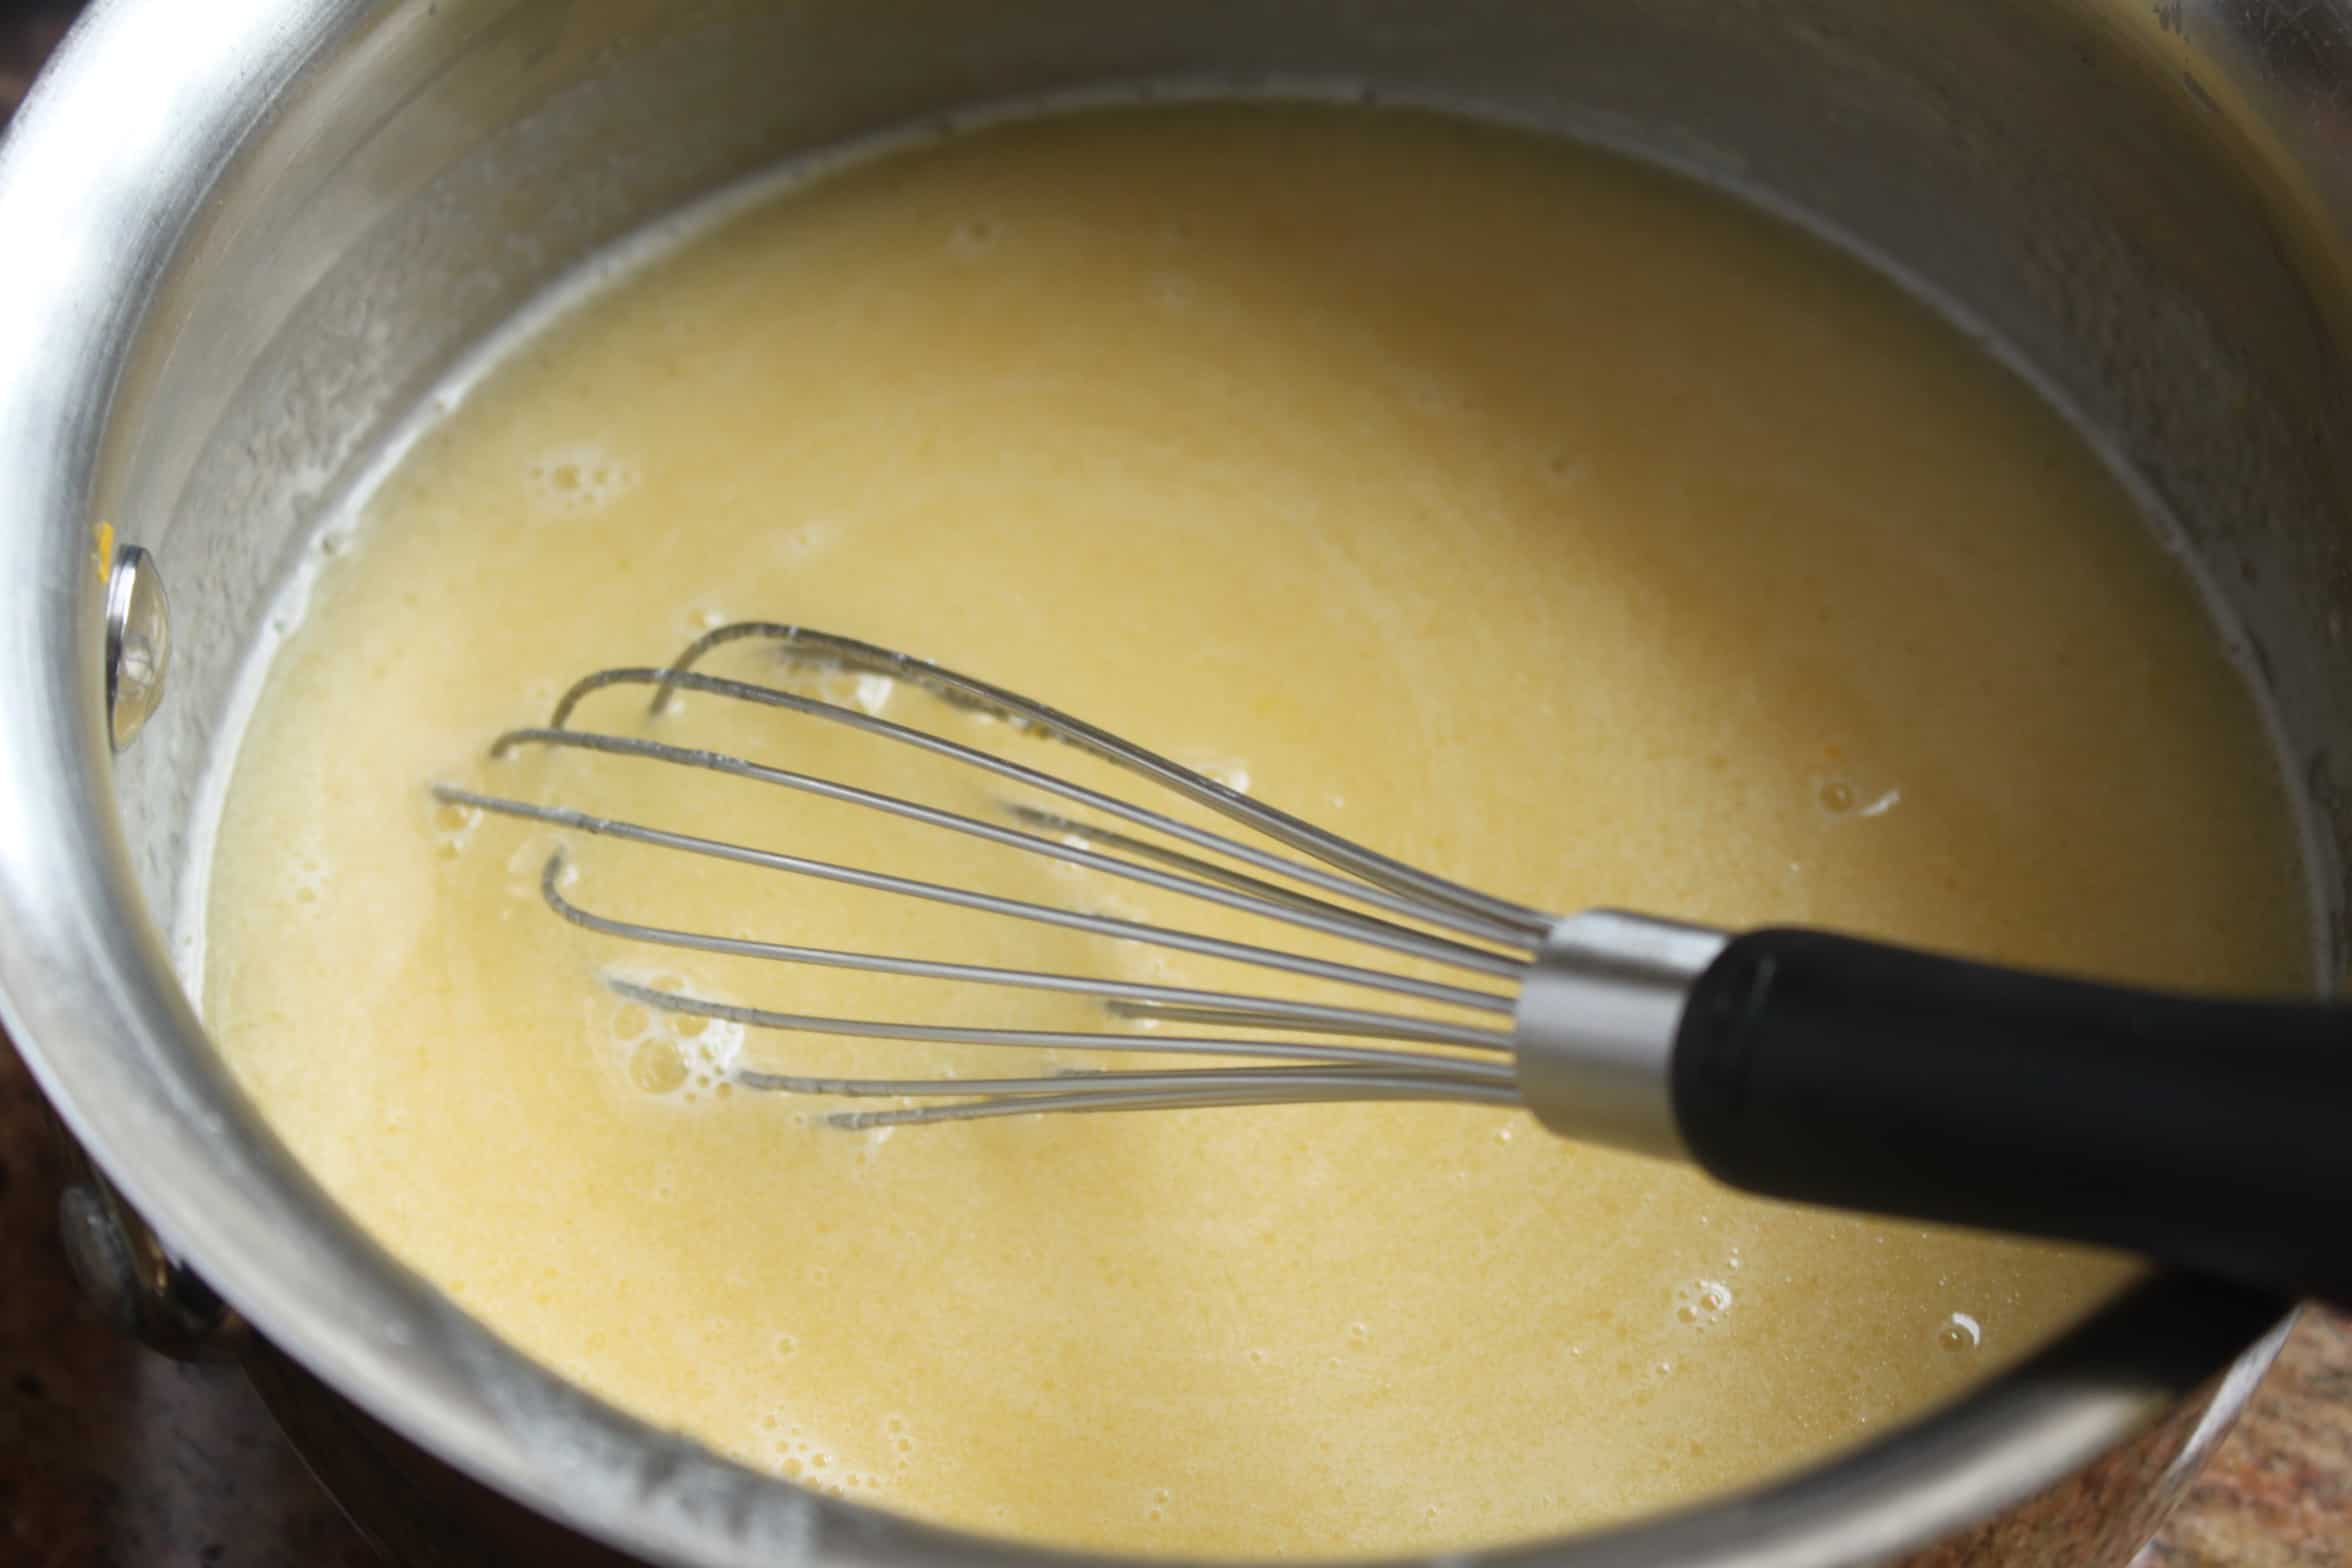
{"x": 806, "y": 648}
{"x": 1447, "y": 1059}
{"x": 1309, "y": 914}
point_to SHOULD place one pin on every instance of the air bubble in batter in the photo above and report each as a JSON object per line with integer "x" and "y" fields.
{"x": 1702, "y": 1303}
{"x": 578, "y": 480}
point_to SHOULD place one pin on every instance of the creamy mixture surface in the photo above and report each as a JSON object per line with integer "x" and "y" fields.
{"x": 1540, "y": 520}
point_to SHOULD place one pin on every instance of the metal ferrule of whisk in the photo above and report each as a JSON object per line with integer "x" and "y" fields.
{"x": 1575, "y": 1018}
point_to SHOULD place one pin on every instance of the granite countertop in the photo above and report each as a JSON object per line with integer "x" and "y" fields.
{"x": 112, "y": 1456}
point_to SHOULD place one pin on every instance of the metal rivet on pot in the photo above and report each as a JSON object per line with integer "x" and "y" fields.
{"x": 99, "y": 1257}
{"x": 138, "y": 643}
{"x": 134, "y": 1281}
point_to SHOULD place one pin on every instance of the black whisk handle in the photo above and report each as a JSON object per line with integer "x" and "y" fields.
{"x": 2214, "y": 1135}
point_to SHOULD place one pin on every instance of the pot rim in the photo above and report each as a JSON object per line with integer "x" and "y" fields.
{"x": 109, "y": 159}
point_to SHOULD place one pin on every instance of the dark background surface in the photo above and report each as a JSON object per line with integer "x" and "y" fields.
{"x": 112, "y": 1456}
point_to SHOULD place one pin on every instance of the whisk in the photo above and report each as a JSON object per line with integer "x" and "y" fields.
{"x": 1797, "y": 1064}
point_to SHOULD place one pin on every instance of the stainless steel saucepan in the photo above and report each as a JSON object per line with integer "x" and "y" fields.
{"x": 239, "y": 240}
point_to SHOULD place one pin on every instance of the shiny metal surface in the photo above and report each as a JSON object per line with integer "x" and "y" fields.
{"x": 1357, "y": 896}
{"x": 1596, "y": 1024}
{"x": 269, "y": 228}
{"x": 135, "y": 1282}
{"x": 138, "y": 643}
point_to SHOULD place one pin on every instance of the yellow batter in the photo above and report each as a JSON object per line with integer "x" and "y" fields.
{"x": 1531, "y": 517}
